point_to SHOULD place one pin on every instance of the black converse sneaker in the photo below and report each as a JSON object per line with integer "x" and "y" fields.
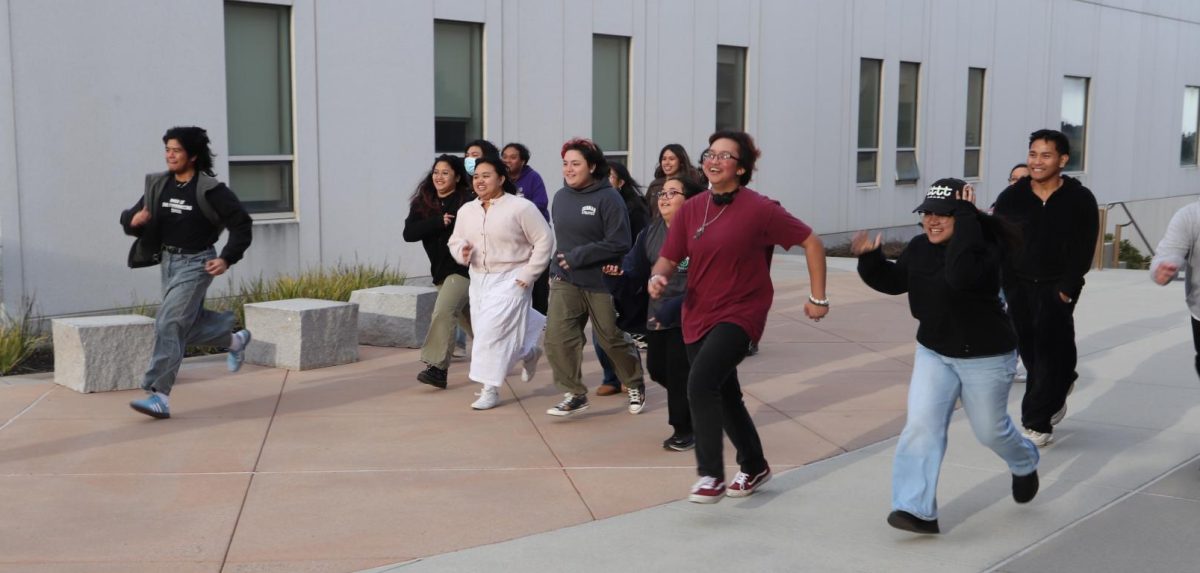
{"x": 571, "y": 404}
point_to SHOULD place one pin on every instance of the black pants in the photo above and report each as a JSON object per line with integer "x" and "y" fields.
{"x": 1196, "y": 342}
{"x": 716, "y": 402}
{"x": 1046, "y": 341}
{"x": 541, "y": 292}
{"x": 667, "y": 363}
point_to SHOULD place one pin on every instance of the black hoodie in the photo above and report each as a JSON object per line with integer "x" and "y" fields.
{"x": 1059, "y": 235}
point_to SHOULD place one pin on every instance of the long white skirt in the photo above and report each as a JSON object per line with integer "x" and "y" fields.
{"x": 506, "y": 327}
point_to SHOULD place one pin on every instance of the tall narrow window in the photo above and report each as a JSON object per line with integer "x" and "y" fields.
{"x": 1074, "y": 119}
{"x": 457, "y": 84}
{"x": 973, "y": 146}
{"x": 907, "y": 170}
{"x": 610, "y": 96}
{"x": 1191, "y": 117}
{"x": 870, "y": 76}
{"x": 731, "y": 88}
{"x": 258, "y": 93}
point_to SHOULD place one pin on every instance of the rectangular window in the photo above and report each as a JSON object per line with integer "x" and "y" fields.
{"x": 870, "y": 78}
{"x": 973, "y": 146}
{"x": 907, "y": 170}
{"x": 258, "y": 92}
{"x": 1191, "y": 117}
{"x": 457, "y": 85}
{"x": 1074, "y": 119}
{"x": 731, "y": 88}
{"x": 610, "y": 96}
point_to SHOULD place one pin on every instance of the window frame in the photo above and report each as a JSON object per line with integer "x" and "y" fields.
{"x": 1194, "y": 160}
{"x": 1078, "y": 146}
{"x": 285, "y": 207}
{"x": 626, "y": 47}
{"x": 475, "y": 101}
{"x": 904, "y": 147}
{"x": 738, "y": 103}
{"x": 982, "y": 108}
{"x": 874, "y": 150}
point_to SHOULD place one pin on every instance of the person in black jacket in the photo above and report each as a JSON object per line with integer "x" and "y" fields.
{"x": 430, "y": 220}
{"x": 666, "y": 354}
{"x": 178, "y": 219}
{"x": 1059, "y": 221}
{"x": 965, "y": 347}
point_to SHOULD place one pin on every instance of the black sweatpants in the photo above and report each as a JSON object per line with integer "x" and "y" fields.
{"x": 667, "y": 363}
{"x": 716, "y": 401}
{"x": 1196, "y": 342}
{"x": 1046, "y": 341}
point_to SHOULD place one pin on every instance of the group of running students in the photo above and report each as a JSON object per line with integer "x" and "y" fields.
{"x": 686, "y": 269}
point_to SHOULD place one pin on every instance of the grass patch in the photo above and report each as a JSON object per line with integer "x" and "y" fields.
{"x": 18, "y": 342}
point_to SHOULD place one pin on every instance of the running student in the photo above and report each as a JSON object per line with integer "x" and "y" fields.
{"x": 965, "y": 346}
{"x": 178, "y": 219}
{"x": 723, "y": 235}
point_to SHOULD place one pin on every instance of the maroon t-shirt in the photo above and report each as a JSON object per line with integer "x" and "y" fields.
{"x": 729, "y": 276}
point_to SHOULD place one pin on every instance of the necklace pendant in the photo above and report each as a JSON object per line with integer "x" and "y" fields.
{"x": 699, "y": 232}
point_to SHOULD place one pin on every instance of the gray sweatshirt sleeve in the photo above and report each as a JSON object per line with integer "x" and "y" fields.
{"x": 1177, "y": 243}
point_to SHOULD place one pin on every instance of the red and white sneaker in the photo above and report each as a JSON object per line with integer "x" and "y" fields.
{"x": 707, "y": 490}
{"x": 745, "y": 484}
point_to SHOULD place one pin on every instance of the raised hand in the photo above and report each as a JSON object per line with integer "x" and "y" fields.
{"x": 861, "y": 243}
{"x": 466, "y": 254}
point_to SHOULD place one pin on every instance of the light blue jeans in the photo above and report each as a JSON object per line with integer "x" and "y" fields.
{"x": 182, "y": 320}
{"x": 937, "y": 382}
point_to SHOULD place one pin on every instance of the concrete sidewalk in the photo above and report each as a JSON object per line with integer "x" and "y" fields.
{"x": 358, "y": 466}
{"x": 1120, "y": 485}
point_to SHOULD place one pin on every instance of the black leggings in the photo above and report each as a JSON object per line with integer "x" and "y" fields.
{"x": 716, "y": 401}
{"x": 667, "y": 364}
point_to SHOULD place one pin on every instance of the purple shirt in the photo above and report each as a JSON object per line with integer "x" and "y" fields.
{"x": 530, "y": 186}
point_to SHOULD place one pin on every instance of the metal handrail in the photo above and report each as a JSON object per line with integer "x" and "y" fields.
{"x": 1133, "y": 222}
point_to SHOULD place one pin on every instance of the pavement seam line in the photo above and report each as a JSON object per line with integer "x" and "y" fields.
{"x": 254, "y": 470}
{"x": 542, "y": 437}
{"x": 27, "y": 408}
{"x": 1062, "y": 530}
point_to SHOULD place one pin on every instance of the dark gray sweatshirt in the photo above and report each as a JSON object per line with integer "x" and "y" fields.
{"x": 591, "y": 227}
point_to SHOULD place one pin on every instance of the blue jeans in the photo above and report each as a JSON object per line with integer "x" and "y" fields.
{"x": 182, "y": 319}
{"x": 937, "y": 382}
{"x": 610, "y": 376}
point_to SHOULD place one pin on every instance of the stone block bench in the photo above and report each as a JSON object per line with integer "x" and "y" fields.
{"x": 394, "y": 315}
{"x": 302, "y": 333}
{"x": 102, "y": 353}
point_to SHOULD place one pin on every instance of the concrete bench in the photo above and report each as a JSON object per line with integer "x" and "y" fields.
{"x": 302, "y": 333}
{"x": 102, "y": 353}
{"x": 394, "y": 315}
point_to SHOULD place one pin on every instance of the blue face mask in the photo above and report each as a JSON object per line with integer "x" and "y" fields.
{"x": 469, "y": 164}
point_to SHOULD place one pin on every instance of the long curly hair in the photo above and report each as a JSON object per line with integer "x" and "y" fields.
{"x": 424, "y": 199}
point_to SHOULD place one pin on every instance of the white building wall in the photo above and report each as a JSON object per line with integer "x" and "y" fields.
{"x": 87, "y": 89}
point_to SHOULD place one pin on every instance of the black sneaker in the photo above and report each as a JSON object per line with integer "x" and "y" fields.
{"x": 680, "y": 443}
{"x": 433, "y": 376}
{"x": 1025, "y": 487}
{"x": 909, "y": 522}
{"x": 571, "y": 404}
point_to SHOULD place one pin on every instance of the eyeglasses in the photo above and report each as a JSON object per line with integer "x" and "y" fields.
{"x": 723, "y": 156}
{"x": 668, "y": 195}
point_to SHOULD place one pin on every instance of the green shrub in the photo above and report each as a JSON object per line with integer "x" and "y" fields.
{"x": 1130, "y": 254}
{"x": 326, "y": 284}
{"x": 17, "y": 339}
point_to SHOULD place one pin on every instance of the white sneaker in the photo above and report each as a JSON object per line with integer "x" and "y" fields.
{"x": 1039, "y": 439}
{"x": 489, "y": 398}
{"x": 1059, "y": 415}
{"x": 530, "y": 363}
{"x": 637, "y": 400}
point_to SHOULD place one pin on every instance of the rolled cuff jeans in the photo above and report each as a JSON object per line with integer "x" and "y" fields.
{"x": 182, "y": 320}
{"x": 937, "y": 383}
